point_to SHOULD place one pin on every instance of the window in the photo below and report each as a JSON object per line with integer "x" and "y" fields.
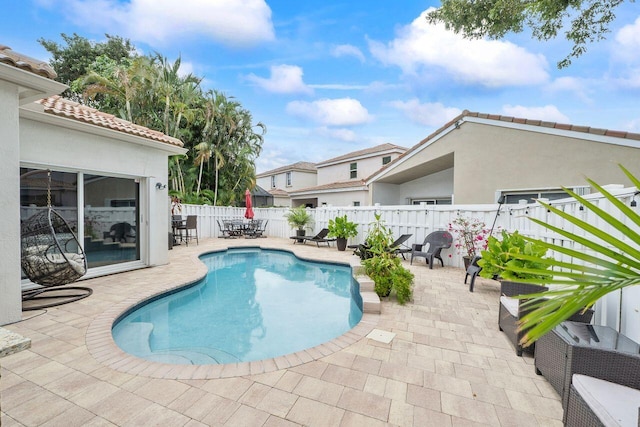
{"x": 288, "y": 179}
{"x": 273, "y": 181}
{"x": 353, "y": 170}
{"x": 440, "y": 201}
{"x": 514, "y": 197}
{"x": 386, "y": 159}
{"x": 356, "y": 203}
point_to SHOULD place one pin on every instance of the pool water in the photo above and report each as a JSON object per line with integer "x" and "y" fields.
{"x": 253, "y": 304}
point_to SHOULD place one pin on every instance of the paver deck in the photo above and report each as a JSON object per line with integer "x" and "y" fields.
{"x": 447, "y": 365}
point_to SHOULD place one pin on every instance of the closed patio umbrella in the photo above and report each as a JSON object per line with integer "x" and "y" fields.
{"x": 248, "y": 213}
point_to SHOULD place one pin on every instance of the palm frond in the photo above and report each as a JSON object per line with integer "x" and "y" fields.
{"x": 606, "y": 264}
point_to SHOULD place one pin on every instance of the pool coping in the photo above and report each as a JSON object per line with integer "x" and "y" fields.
{"x": 103, "y": 348}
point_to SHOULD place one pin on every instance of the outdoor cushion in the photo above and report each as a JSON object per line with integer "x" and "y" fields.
{"x": 613, "y": 404}
{"x": 511, "y": 304}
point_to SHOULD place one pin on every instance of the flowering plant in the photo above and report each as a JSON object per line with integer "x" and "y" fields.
{"x": 470, "y": 234}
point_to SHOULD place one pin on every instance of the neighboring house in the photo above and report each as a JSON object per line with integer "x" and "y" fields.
{"x": 476, "y": 158}
{"x": 341, "y": 179}
{"x": 283, "y": 180}
{"x": 107, "y": 174}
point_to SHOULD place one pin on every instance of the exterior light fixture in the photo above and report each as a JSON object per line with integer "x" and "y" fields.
{"x": 160, "y": 186}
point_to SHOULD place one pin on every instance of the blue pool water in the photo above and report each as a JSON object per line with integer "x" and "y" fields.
{"x": 253, "y": 304}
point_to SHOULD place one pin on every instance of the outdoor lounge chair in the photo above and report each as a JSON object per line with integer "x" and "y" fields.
{"x": 398, "y": 247}
{"x": 434, "y": 243}
{"x": 321, "y": 237}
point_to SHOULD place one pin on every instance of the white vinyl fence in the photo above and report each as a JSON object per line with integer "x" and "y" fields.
{"x": 620, "y": 310}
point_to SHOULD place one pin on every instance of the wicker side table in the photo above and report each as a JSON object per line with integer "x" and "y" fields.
{"x": 596, "y": 351}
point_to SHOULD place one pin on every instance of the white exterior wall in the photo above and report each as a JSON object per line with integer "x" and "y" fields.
{"x": 340, "y": 172}
{"x": 343, "y": 198}
{"x": 10, "y": 293}
{"x": 437, "y": 185}
{"x": 76, "y": 151}
{"x": 299, "y": 180}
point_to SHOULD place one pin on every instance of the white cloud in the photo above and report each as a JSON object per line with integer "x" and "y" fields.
{"x": 347, "y": 50}
{"x": 331, "y": 112}
{"x": 579, "y": 87}
{"x": 284, "y": 79}
{"x": 421, "y": 49}
{"x": 428, "y": 114}
{"x": 633, "y": 125}
{"x": 628, "y": 41}
{"x": 548, "y": 113}
{"x": 234, "y": 23}
{"x": 342, "y": 134}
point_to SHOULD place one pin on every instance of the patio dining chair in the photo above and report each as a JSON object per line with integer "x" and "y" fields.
{"x": 434, "y": 243}
{"x": 189, "y": 229}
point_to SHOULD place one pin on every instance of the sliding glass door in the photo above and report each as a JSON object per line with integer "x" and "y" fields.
{"x": 111, "y": 220}
{"x": 109, "y": 225}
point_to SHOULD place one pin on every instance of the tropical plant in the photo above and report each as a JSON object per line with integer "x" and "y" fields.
{"x": 470, "y": 235}
{"x": 299, "y": 218}
{"x": 501, "y": 254}
{"x": 384, "y": 267}
{"x": 609, "y": 262}
{"x": 341, "y": 228}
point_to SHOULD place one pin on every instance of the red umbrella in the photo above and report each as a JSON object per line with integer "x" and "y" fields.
{"x": 247, "y": 200}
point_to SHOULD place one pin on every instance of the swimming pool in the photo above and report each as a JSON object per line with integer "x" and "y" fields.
{"x": 253, "y": 304}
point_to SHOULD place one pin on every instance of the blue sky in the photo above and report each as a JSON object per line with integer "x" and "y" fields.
{"x": 329, "y": 77}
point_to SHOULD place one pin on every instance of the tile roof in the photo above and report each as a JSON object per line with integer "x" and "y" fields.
{"x": 18, "y": 60}
{"x": 332, "y": 186}
{"x": 364, "y": 152}
{"x": 298, "y": 166}
{"x": 278, "y": 192}
{"x": 508, "y": 119}
{"x": 65, "y": 108}
{"x": 541, "y": 123}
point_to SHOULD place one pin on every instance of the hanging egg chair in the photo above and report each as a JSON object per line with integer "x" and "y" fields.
{"x": 51, "y": 257}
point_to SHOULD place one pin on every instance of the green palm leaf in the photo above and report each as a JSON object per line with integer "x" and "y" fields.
{"x": 611, "y": 264}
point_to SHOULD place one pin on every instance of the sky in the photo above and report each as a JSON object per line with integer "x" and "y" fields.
{"x": 331, "y": 77}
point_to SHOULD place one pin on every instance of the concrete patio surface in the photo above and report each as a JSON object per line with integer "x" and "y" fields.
{"x": 448, "y": 364}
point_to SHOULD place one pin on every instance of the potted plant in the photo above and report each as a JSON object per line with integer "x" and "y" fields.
{"x": 341, "y": 228}
{"x": 470, "y": 236}
{"x": 500, "y": 254}
{"x": 384, "y": 267}
{"x": 299, "y": 219}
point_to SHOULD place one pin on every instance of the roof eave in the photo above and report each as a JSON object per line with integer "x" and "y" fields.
{"x": 32, "y": 86}
{"x": 56, "y": 120}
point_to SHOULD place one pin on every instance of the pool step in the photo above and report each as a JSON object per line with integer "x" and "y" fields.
{"x": 370, "y": 300}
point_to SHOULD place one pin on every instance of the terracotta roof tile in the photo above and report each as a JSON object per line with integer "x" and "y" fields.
{"x": 519, "y": 120}
{"x": 18, "y": 60}
{"x": 299, "y": 166}
{"x": 278, "y": 192}
{"x": 332, "y": 186}
{"x": 364, "y": 152}
{"x": 65, "y": 108}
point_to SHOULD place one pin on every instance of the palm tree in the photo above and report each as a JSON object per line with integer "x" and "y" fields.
{"x": 608, "y": 264}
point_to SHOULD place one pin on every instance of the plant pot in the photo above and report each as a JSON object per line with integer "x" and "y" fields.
{"x": 341, "y": 242}
{"x": 300, "y": 233}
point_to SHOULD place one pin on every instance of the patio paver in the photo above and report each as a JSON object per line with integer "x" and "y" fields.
{"x": 448, "y": 363}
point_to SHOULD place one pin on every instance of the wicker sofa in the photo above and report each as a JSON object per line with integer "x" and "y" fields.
{"x": 596, "y": 402}
{"x": 511, "y": 311}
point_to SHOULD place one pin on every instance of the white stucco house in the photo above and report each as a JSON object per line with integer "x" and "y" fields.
{"x": 340, "y": 180}
{"x": 106, "y": 173}
{"x": 281, "y": 181}
{"x": 476, "y": 158}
